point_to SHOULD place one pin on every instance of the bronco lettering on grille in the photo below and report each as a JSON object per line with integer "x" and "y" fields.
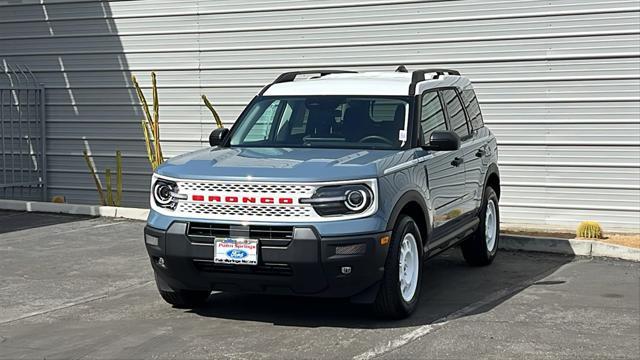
{"x": 243, "y": 199}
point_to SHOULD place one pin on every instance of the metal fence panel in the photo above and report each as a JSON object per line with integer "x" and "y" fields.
{"x": 22, "y": 135}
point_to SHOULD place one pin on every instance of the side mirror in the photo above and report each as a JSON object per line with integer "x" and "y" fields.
{"x": 217, "y": 136}
{"x": 443, "y": 141}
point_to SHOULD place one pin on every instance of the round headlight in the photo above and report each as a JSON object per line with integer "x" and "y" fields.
{"x": 355, "y": 200}
{"x": 336, "y": 200}
{"x": 162, "y": 193}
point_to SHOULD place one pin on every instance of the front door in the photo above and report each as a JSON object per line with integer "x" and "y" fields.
{"x": 457, "y": 121}
{"x": 445, "y": 171}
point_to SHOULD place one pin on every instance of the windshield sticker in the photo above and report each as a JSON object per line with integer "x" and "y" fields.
{"x": 402, "y": 135}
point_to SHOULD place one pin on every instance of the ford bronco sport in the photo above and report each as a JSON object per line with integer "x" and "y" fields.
{"x": 337, "y": 185}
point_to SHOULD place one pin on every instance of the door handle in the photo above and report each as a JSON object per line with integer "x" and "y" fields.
{"x": 481, "y": 153}
{"x": 457, "y": 161}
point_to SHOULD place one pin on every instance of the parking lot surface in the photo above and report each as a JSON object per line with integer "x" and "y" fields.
{"x": 75, "y": 287}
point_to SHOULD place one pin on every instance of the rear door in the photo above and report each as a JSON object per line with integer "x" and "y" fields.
{"x": 445, "y": 174}
{"x": 478, "y": 154}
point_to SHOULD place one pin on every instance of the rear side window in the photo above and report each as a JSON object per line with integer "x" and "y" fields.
{"x": 455, "y": 111}
{"x": 432, "y": 115}
{"x": 473, "y": 108}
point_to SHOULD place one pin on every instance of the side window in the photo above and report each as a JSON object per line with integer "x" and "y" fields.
{"x": 260, "y": 131}
{"x": 473, "y": 108}
{"x": 285, "y": 122}
{"x": 383, "y": 110}
{"x": 455, "y": 111}
{"x": 299, "y": 123}
{"x": 432, "y": 115}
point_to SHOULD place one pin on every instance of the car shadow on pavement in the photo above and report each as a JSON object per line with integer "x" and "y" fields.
{"x": 450, "y": 288}
{"x": 11, "y": 221}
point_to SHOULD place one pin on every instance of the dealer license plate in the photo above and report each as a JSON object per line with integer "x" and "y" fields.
{"x": 236, "y": 251}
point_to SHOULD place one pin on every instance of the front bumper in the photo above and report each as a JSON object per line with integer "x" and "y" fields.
{"x": 307, "y": 265}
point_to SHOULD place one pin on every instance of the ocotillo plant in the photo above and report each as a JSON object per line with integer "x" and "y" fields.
{"x": 151, "y": 125}
{"x": 207, "y": 103}
{"x": 109, "y": 200}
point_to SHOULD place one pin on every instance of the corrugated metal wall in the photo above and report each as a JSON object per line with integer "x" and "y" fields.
{"x": 558, "y": 81}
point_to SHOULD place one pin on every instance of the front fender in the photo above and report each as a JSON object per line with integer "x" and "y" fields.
{"x": 411, "y": 196}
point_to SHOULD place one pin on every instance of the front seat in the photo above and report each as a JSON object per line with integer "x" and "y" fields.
{"x": 319, "y": 124}
{"x": 356, "y": 122}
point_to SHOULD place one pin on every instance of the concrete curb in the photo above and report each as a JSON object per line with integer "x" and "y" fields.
{"x": 568, "y": 247}
{"x": 507, "y": 242}
{"x": 108, "y": 211}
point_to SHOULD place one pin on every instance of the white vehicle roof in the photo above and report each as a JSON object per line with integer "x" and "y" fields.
{"x": 364, "y": 83}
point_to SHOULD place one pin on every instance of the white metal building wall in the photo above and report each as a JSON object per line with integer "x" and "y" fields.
{"x": 558, "y": 82}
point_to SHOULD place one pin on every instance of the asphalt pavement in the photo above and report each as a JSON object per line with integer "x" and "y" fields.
{"x": 78, "y": 287}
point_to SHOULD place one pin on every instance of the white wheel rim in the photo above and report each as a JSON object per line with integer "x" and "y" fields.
{"x": 490, "y": 226}
{"x": 409, "y": 266}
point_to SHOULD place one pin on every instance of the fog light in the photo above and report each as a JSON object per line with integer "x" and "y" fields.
{"x": 151, "y": 240}
{"x": 161, "y": 263}
{"x": 345, "y": 270}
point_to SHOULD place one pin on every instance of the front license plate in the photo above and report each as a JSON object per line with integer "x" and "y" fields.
{"x": 236, "y": 251}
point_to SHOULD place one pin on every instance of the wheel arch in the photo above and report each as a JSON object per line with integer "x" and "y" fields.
{"x": 412, "y": 203}
{"x": 493, "y": 179}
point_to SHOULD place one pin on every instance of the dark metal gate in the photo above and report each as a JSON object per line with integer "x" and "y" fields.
{"x": 23, "y": 162}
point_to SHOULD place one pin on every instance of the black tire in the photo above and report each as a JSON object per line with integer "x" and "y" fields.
{"x": 389, "y": 302}
{"x": 475, "y": 249}
{"x": 183, "y": 299}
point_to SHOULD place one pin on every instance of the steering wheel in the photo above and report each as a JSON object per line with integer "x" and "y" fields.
{"x": 375, "y": 137}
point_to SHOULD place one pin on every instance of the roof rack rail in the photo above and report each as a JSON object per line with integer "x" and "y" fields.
{"x": 291, "y": 76}
{"x": 418, "y": 76}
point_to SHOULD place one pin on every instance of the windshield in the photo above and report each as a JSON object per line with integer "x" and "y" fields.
{"x": 324, "y": 121}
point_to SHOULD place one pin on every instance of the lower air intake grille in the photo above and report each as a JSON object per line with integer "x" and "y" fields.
{"x": 264, "y": 269}
{"x": 267, "y": 234}
{"x": 356, "y": 249}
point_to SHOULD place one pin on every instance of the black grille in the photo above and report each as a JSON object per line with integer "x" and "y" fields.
{"x": 267, "y": 234}
{"x": 263, "y": 269}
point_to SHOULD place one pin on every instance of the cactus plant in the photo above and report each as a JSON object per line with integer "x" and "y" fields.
{"x": 107, "y": 175}
{"x": 58, "y": 199}
{"x": 118, "y": 178}
{"x": 589, "y": 230}
{"x": 150, "y": 124}
{"x": 110, "y": 199}
{"x": 207, "y": 103}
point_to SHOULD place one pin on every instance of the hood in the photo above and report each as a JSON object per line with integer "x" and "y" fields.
{"x": 280, "y": 164}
